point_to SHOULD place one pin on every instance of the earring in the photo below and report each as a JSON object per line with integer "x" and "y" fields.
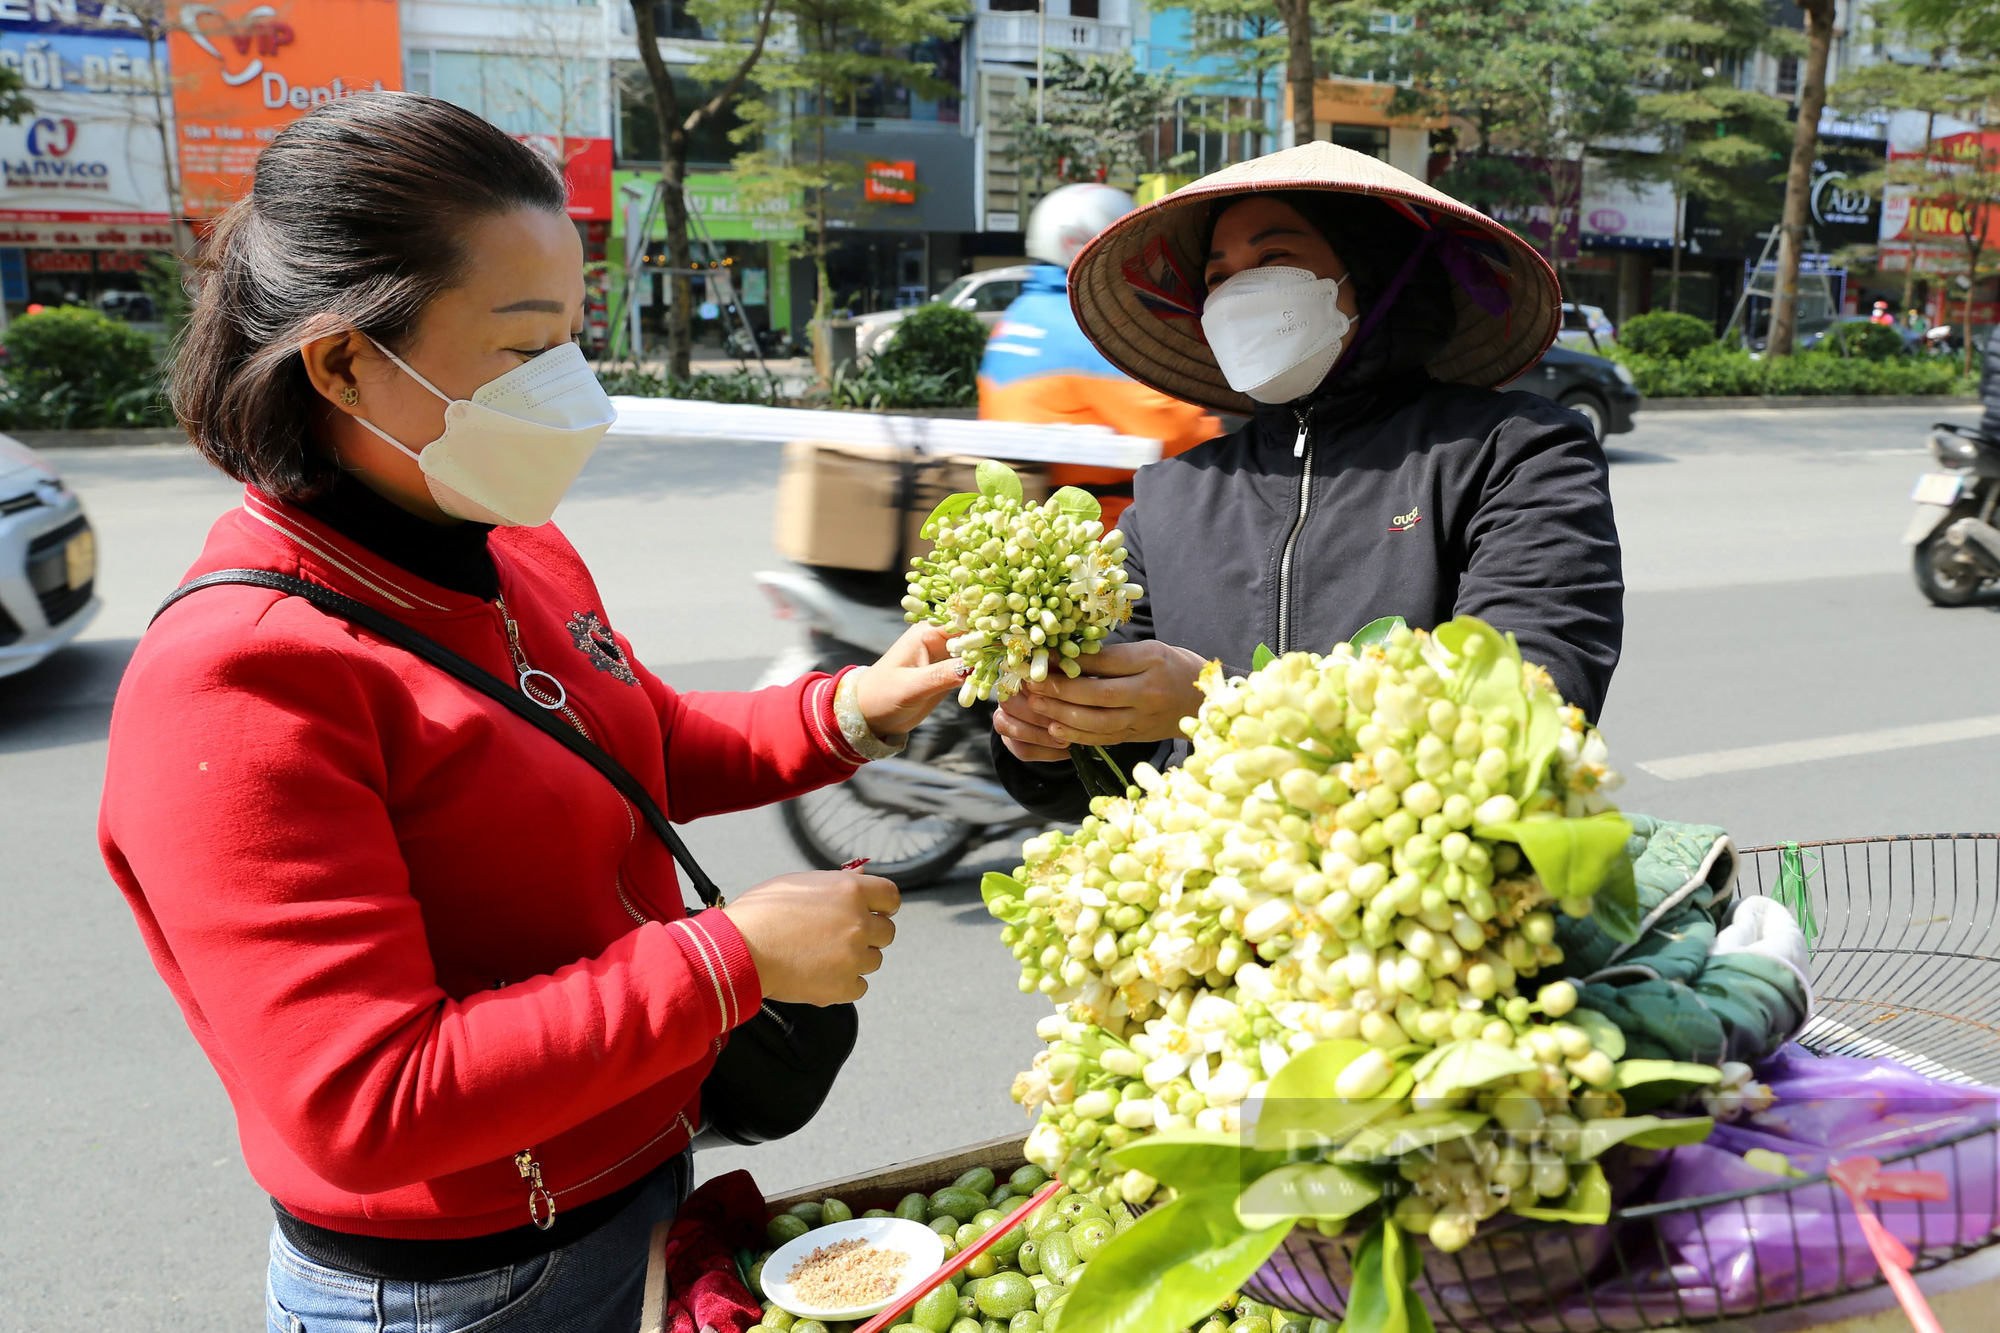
{"x": 350, "y": 395}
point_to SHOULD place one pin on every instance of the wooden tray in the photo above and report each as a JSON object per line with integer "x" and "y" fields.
{"x": 884, "y": 1188}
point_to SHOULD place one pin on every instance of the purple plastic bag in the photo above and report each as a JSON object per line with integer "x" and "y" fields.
{"x": 1771, "y": 1250}
{"x": 1804, "y": 1243}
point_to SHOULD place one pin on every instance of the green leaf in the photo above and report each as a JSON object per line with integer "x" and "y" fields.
{"x": 1470, "y": 1063}
{"x": 1077, "y": 503}
{"x": 1574, "y": 857}
{"x": 1488, "y": 677}
{"x": 1318, "y": 1190}
{"x": 1262, "y": 658}
{"x": 1406, "y": 1134}
{"x": 949, "y": 507}
{"x": 1005, "y": 897}
{"x": 1301, "y": 1108}
{"x": 1605, "y": 1035}
{"x": 1588, "y": 1202}
{"x": 1169, "y": 1268}
{"x": 1616, "y": 905}
{"x": 1381, "y": 1299}
{"x": 1641, "y": 1131}
{"x": 1377, "y": 632}
{"x": 1538, "y": 744}
{"x": 1631, "y": 1073}
{"x": 997, "y": 480}
{"x": 1194, "y": 1160}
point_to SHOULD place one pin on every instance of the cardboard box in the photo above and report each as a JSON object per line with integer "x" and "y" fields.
{"x": 859, "y": 506}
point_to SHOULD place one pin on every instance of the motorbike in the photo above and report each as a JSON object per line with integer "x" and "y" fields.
{"x": 1957, "y": 546}
{"x": 913, "y": 817}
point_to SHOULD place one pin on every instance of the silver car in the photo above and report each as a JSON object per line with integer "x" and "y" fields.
{"x": 48, "y": 560}
{"x": 986, "y": 295}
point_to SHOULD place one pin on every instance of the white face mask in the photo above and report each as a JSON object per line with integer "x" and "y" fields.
{"x": 1275, "y": 332}
{"x": 510, "y": 452}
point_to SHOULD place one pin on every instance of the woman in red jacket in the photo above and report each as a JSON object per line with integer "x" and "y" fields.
{"x": 440, "y": 964}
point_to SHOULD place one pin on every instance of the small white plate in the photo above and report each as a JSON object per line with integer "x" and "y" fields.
{"x": 924, "y": 1247}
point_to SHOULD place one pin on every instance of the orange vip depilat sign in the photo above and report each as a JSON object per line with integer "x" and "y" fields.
{"x": 242, "y": 71}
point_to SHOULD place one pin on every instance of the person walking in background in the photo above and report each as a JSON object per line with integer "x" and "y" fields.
{"x": 1040, "y": 368}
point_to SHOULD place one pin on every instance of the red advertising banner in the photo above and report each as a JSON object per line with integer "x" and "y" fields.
{"x": 1927, "y": 229}
{"x": 586, "y": 168}
{"x": 889, "y": 182}
{"x": 242, "y": 71}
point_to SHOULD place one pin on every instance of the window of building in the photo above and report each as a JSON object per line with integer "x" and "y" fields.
{"x": 639, "y": 125}
{"x": 1011, "y": 6}
{"x": 885, "y": 99}
{"x": 672, "y": 19}
{"x": 522, "y": 94}
{"x": 1083, "y": 9}
{"x": 1788, "y": 76}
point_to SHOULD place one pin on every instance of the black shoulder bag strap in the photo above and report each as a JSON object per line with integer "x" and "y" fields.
{"x": 396, "y": 632}
{"x": 774, "y": 1073}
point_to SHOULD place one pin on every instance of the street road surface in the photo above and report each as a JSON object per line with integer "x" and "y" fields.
{"x": 1782, "y": 677}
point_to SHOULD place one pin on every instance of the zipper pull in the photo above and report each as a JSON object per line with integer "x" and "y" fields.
{"x": 513, "y": 636}
{"x": 541, "y": 1203}
{"x": 1299, "y": 445}
{"x": 550, "y": 698}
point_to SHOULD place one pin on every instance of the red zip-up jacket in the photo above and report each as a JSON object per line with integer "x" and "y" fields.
{"x": 416, "y": 936}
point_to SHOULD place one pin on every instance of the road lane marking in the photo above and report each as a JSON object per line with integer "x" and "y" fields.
{"x": 1715, "y": 762}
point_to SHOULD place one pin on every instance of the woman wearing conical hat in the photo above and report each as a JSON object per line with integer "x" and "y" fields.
{"x": 1365, "y": 322}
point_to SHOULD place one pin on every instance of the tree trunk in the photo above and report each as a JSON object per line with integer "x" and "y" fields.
{"x": 1297, "y": 15}
{"x": 1910, "y": 263}
{"x": 1674, "y": 281}
{"x": 1972, "y": 250}
{"x": 1819, "y": 16}
{"x": 673, "y": 202}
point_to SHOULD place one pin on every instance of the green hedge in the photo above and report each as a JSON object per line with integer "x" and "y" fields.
{"x": 1665, "y": 333}
{"x": 72, "y": 367}
{"x": 736, "y": 386}
{"x": 935, "y": 339}
{"x": 1716, "y": 371}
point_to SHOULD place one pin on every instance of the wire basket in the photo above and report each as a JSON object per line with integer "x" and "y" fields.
{"x": 1906, "y": 965}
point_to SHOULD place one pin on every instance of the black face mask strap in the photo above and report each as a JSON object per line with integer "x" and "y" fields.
{"x": 1378, "y": 312}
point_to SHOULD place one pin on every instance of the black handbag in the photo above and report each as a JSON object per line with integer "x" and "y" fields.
{"x": 774, "y": 1071}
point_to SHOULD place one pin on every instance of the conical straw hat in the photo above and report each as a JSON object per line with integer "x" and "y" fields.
{"x": 1137, "y": 288}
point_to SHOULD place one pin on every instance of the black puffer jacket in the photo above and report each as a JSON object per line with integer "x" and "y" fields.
{"x": 1410, "y": 498}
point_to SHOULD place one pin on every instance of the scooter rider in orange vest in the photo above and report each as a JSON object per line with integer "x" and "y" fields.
{"x": 1040, "y": 368}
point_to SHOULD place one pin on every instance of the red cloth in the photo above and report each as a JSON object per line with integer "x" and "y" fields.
{"x": 414, "y": 935}
{"x": 703, "y": 1290}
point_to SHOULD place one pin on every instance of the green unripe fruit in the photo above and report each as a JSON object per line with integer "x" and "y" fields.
{"x": 785, "y": 1227}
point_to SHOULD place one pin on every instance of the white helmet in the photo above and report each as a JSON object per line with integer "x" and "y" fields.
{"x": 1067, "y": 218}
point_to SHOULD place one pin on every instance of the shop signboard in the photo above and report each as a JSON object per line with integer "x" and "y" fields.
{"x": 1927, "y": 229}
{"x": 726, "y": 213}
{"x": 890, "y": 183}
{"x": 243, "y": 71}
{"x": 586, "y": 169}
{"x": 85, "y": 169}
{"x": 1626, "y": 215}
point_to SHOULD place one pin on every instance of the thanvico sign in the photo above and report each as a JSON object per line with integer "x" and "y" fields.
{"x": 85, "y": 169}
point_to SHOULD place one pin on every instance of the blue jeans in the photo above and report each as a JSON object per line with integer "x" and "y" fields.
{"x": 594, "y": 1285}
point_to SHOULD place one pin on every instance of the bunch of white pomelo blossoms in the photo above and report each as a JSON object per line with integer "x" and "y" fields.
{"x": 1351, "y": 858}
{"x": 1019, "y": 586}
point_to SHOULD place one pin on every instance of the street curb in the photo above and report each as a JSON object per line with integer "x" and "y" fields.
{"x": 1939, "y": 401}
{"x": 88, "y": 439}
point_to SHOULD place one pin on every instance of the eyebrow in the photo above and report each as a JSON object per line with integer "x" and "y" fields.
{"x": 1260, "y": 238}
{"x": 537, "y": 306}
